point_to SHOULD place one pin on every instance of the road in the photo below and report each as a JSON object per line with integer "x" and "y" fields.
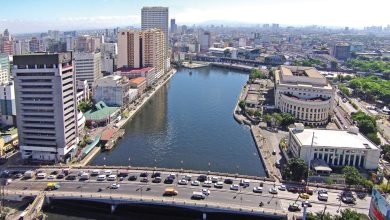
{"x": 244, "y": 197}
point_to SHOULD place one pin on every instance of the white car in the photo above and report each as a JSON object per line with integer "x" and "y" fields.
{"x": 50, "y": 177}
{"x": 234, "y": 187}
{"x": 218, "y": 185}
{"x": 182, "y": 182}
{"x": 214, "y": 179}
{"x": 111, "y": 178}
{"x": 244, "y": 182}
{"x": 282, "y": 187}
{"x": 323, "y": 197}
{"x": 273, "y": 190}
{"x": 108, "y": 172}
{"x": 188, "y": 177}
{"x": 207, "y": 183}
{"x": 206, "y": 192}
{"x": 257, "y": 189}
{"x": 115, "y": 186}
{"x": 195, "y": 183}
{"x": 101, "y": 178}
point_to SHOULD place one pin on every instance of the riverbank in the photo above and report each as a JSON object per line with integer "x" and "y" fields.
{"x": 194, "y": 65}
{"x": 122, "y": 123}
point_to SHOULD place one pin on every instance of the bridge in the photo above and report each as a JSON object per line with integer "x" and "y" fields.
{"x": 131, "y": 192}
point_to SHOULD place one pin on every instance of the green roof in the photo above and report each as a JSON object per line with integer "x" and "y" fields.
{"x": 100, "y": 111}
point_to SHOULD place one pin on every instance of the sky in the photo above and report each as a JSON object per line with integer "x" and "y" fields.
{"x": 26, "y": 16}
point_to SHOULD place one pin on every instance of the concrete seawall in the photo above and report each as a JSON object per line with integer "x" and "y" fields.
{"x": 258, "y": 147}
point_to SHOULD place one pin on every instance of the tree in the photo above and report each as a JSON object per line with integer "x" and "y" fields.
{"x": 349, "y": 214}
{"x": 256, "y": 74}
{"x": 287, "y": 119}
{"x": 386, "y": 151}
{"x": 344, "y": 90}
{"x": 352, "y": 175}
{"x": 277, "y": 118}
{"x": 295, "y": 169}
{"x": 85, "y": 106}
{"x": 267, "y": 118}
{"x": 258, "y": 113}
{"x": 242, "y": 104}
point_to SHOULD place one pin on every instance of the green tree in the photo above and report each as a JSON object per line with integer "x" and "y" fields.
{"x": 277, "y": 118}
{"x": 258, "y": 113}
{"x": 386, "y": 151}
{"x": 344, "y": 90}
{"x": 349, "y": 214}
{"x": 295, "y": 169}
{"x": 242, "y": 104}
{"x": 287, "y": 119}
{"x": 256, "y": 74}
{"x": 85, "y": 106}
{"x": 267, "y": 118}
{"x": 352, "y": 176}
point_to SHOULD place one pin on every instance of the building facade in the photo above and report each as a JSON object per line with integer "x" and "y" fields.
{"x": 353, "y": 149}
{"x": 342, "y": 51}
{"x": 7, "y": 104}
{"x": 305, "y": 93}
{"x": 156, "y": 17}
{"x": 112, "y": 90}
{"x": 153, "y": 50}
{"x": 88, "y": 67}
{"x": 205, "y": 41}
{"x": 46, "y": 106}
{"x": 129, "y": 49}
{"x": 4, "y": 67}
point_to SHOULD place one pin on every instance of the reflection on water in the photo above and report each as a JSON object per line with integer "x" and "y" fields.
{"x": 189, "y": 124}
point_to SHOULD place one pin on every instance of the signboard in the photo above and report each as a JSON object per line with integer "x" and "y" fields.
{"x": 379, "y": 207}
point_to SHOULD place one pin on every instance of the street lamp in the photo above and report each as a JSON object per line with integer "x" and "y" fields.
{"x": 129, "y": 162}
{"x": 181, "y": 165}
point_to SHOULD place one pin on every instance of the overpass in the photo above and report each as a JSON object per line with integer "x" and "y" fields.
{"x": 132, "y": 192}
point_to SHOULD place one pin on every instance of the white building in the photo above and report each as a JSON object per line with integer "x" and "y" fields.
{"x": 88, "y": 67}
{"x": 305, "y": 93}
{"x": 82, "y": 91}
{"x": 7, "y": 103}
{"x": 4, "y": 67}
{"x": 336, "y": 147}
{"x": 46, "y": 108}
{"x": 112, "y": 90}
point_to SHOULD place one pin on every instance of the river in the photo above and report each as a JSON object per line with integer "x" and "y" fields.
{"x": 189, "y": 124}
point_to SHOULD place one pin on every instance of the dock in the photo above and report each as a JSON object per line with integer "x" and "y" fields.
{"x": 110, "y": 137}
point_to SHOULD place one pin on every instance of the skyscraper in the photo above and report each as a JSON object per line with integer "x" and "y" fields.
{"x": 152, "y": 50}
{"x": 173, "y": 25}
{"x": 156, "y": 17}
{"x": 129, "y": 49}
{"x": 88, "y": 66}
{"x": 46, "y": 106}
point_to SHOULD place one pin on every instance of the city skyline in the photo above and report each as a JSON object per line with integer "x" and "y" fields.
{"x": 90, "y": 14}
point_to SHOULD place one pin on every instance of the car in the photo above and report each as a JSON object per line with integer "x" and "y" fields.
{"x": 234, "y": 187}
{"x": 115, "y": 186}
{"x": 144, "y": 180}
{"x": 198, "y": 195}
{"x": 54, "y": 172}
{"x": 168, "y": 180}
{"x": 206, "y": 192}
{"x": 292, "y": 189}
{"x": 101, "y": 178}
{"x": 218, "y": 185}
{"x": 156, "y": 174}
{"x": 347, "y": 197}
{"x": 244, "y": 183}
{"x": 61, "y": 175}
{"x": 156, "y": 180}
{"x": 322, "y": 191}
{"x": 172, "y": 175}
{"x": 323, "y": 197}
{"x": 108, "y": 172}
{"x": 170, "y": 192}
{"x": 132, "y": 178}
{"x": 273, "y": 190}
{"x": 282, "y": 187}
{"x": 294, "y": 207}
{"x": 308, "y": 190}
{"x": 214, "y": 179}
{"x": 207, "y": 183}
{"x": 257, "y": 189}
{"x": 307, "y": 203}
{"x": 188, "y": 177}
{"x": 95, "y": 172}
{"x": 182, "y": 182}
{"x": 144, "y": 174}
{"x": 111, "y": 177}
{"x": 18, "y": 175}
{"x": 228, "y": 181}
{"x": 273, "y": 152}
{"x": 277, "y": 164}
{"x": 304, "y": 195}
{"x": 50, "y": 177}
{"x": 202, "y": 178}
{"x": 195, "y": 183}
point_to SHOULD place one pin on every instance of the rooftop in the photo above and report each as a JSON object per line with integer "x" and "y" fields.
{"x": 137, "y": 80}
{"x": 135, "y": 70}
{"x": 300, "y": 71}
{"x": 100, "y": 111}
{"x": 332, "y": 138}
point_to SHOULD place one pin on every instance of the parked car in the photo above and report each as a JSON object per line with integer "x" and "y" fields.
{"x": 195, "y": 183}
{"x": 144, "y": 174}
{"x": 182, "y": 182}
{"x": 294, "y": 207}
{"x": 304, "y": 195}
{"x": 218, "y": 185}
{"x": 202, "y": 178}
{"x": 282, "y": 187}
{"x": 156, "y": 174}
{"x": 228, "y": 181}
{"x": 323, "y": 197}
{"x": 307, "y": 203}
{"x": 257, "y": 189}
{"x": 206, "y": 192}
{"x": 198, "y": 195}
{"x": 132, "y": 178}
{"x": 156, "y": 180}
{"x": 234, "y": 187}
{"x": 168, "y": 180}
{"x": 273, "y": 190}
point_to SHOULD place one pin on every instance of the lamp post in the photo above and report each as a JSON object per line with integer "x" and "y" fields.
{"x": 209, "y": 167}
{"x": 129, "y": 162}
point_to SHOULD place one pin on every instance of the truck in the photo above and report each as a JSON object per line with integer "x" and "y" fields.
{"x": 52, "y": 186}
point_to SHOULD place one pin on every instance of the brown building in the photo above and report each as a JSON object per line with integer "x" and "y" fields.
{"x": 138, "y": 83}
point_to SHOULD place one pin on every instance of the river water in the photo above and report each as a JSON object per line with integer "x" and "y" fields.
{"x": 188, "y": 124}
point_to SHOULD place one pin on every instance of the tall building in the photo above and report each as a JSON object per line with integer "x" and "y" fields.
{"x": 88, "y": 66}
{"x": 173, "y": 25}
{"x": 305, "y": 93}
{"x": 7, "y": 104}
{"x": 34, "y": 45}
{"x": 46, "y": 106}
{"x": 342, "y": 51}
{"x": 156, "y": 17}
{"x": 5, "y": 67}
{"x": 138, "y": 49}
{"x": 205, "y": 41}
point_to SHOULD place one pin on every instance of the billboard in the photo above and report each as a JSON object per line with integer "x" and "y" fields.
{"x": 379, "y": 206}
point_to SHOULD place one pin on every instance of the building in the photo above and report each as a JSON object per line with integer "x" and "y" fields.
{"x": 88, "y": 67}
{"x": 109, "y": 53}
{"x": 112, "y": 90}
{"x": 138, "y": 83}
{"x": 379, "y": 205}
{"x": 305, "y": 93}
{"x": 147, "y": 72}
{"x": 34, "y": 45}
{"x": 156, "y": 17}
{"x": 173, "y": 25}
{"x": 101, "y": 114}
{"x": 46, "y": 106}
{"x": 153, "y": 51}
{"x": 7, "y": 104}
{"x": 82, "y": 91}
{"x": 341, "y": 51}
{"x": 205, "y": 41}
{"x": 353, "y": 149}
{"x": 4, "y": 67}
{"x": 138, "y": 49}
{"x": 8, "y": 144}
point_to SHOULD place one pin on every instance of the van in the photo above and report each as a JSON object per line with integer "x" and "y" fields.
{"x": 84, "y": 176}
{"x": 101, "y": 178}
{"x": 28, "y": 174}
{"x": 95, "y": 172}
{"x": 111, "y": 178}
{"x": 41, "y": 175}
{"x": 198, "y": 195}
{"x": 170, "y": 192}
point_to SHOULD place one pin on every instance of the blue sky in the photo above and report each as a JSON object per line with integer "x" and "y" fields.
{"x": 40, "y": 15}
